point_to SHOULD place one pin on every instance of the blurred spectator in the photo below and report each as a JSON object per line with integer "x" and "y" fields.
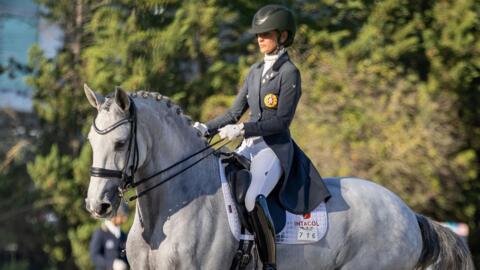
{"x": 460, "y": 229}
{"x": 108, "y": 243}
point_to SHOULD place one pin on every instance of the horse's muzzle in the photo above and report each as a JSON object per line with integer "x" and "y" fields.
{"x": 98, "y": 209}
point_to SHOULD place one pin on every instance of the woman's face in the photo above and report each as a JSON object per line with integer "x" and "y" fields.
{"x": 267, "y": 42}
{"x": 119, "y": 220}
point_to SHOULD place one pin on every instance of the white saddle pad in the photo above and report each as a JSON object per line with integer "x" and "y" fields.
{"x": 299, "y": 229}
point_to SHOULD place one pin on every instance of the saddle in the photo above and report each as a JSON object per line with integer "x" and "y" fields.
{"x": 237, "y": 172}
{"x": 290, "y": 228}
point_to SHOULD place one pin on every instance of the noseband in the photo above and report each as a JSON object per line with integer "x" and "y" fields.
{"x": 127, "y": 173}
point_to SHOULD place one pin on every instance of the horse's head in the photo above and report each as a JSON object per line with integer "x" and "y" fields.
{"x": 113, "y": 141}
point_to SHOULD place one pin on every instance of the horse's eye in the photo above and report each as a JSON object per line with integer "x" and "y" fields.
{"x": 119, "y": 145}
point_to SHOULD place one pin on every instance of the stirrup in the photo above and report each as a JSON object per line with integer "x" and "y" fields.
{"x": 264, "y": 233}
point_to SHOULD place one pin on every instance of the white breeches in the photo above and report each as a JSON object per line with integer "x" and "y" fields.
{"x": 265, "y": 169}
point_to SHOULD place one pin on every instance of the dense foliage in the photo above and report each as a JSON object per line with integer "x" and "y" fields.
{"x": 391, "y": 93}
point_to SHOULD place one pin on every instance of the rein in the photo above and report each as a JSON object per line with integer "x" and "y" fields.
{"x": 135, "y": 184}
{"x": 128, "y": 180}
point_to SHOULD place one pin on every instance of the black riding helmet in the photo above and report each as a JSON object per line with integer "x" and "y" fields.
{"x": 274, "y": 17}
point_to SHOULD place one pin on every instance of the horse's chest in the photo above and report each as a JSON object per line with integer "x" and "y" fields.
{"x": 186, "y": 239}
{"x": 170, "y": 253}
{"x": 179, "y": 240}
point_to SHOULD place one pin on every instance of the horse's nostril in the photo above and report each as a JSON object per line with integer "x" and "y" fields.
{"x": 102, "y": 208}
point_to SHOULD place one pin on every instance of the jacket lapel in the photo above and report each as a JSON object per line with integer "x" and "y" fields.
{"x": 280, "y": 61}
{"x": 273, "y": 71}
{"x": 257, "y": 79}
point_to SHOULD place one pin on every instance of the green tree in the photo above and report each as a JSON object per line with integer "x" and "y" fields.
{"x": 23, "y": 216}
{"x": 58, "y": 93}
{"x": 394, "y": 100}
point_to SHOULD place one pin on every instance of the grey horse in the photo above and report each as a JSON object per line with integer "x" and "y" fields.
{"x": 183, "y": 223}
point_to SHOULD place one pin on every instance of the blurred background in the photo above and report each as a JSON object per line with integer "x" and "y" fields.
{"x": 391, "y": 93}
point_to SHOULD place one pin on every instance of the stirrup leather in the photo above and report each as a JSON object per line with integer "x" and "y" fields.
{"x": 264, "y": 233}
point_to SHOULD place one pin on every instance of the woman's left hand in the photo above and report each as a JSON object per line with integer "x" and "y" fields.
{"x": 231, "y": 131}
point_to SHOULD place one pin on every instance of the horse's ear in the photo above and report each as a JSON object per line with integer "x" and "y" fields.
{"x": 96, "y": 100}
{"x": 121, "y": 98}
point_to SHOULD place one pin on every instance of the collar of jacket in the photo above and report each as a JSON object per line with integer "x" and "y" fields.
{"x": 280, "y": 61}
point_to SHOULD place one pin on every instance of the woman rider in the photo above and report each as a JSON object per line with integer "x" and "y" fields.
{"x": 271, "y": 90}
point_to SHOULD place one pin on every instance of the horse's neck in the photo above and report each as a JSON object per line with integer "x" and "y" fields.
{"x": 187, "y": 190}
{"x": 172, "y": 142}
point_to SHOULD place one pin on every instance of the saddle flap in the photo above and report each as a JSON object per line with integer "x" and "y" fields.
{"x": 239, "y": 179}
{"x": 241, "y": 183}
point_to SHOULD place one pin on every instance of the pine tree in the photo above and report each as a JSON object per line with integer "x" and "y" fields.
{"x": 394, "y": 99}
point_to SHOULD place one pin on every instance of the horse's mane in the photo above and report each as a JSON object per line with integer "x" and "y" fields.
{"x": 160, "y": 99}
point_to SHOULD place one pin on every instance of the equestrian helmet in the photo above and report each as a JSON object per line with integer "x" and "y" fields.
{"x": 274, "y": 17}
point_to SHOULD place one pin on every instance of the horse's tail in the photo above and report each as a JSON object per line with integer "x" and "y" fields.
{"x": 442, "y": 248}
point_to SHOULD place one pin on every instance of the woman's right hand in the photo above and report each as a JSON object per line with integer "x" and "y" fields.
{"x": 202, "y": 128}
{"x": 230, "y": 132}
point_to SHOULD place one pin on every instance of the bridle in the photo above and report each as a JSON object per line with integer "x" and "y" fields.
{"x": 127, "y": 174}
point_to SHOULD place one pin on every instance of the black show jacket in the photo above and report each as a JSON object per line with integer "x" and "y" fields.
{"x": 105, "y": 248}
{"x": 272, "y": 100}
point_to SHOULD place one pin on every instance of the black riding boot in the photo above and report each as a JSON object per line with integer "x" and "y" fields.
{"x": 264, "y": 230}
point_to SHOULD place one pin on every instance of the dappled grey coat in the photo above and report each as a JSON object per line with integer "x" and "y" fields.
{"x": 272, "y": 100}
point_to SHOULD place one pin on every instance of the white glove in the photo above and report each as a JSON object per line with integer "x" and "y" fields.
{"x": 119, "y": 265}
{"x": 231, "y": 131}
{"x": 202, "y": 128}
